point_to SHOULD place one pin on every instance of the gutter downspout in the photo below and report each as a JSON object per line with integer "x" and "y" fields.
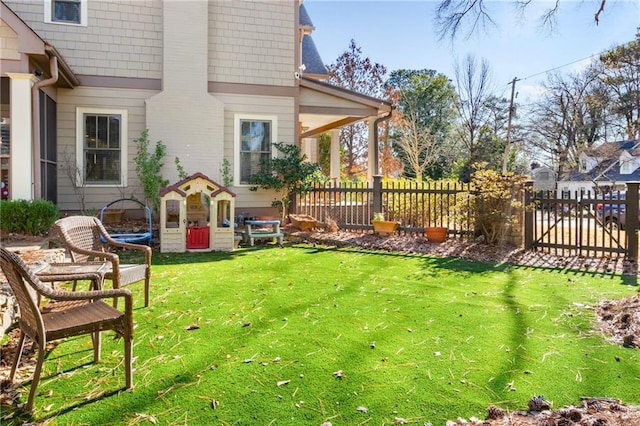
{"x": 376, "y": 143}
{"x": 35, "y": 120}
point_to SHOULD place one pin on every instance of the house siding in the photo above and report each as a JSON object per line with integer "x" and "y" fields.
{"x": 123, "y": 38}
{"x": 131, "y": 100}
{"x": 253, "y": 42}
{"x": 8, "y": 43}
{"x": 282, "y": 108}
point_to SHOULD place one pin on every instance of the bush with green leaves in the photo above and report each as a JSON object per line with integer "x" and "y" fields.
{"x": 149, "y": 169}
{"x": 286, "y": 175}
{"x": 33, "y": 217}
{"x": 430, "y": 203}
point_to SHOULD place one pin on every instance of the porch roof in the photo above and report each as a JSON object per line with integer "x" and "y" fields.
{"x": 36, "y": 50}
{"x": 325, "y": 107}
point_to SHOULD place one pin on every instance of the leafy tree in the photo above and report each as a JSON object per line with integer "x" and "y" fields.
{"x": 620, "y": 73}
{"x": 425, "y": 109}
{"x": 453, "y": 16}
{"x": 357, "y": 73}
{"x": 286, "y": 175}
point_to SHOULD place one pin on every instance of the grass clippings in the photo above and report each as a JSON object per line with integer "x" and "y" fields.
{"x": 309, "y": 335}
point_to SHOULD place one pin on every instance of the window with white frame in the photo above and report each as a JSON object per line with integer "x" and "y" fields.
{"x": 254, "y": 138}
{"x": 101, "y": 143}
{"x": 72, "y": 12}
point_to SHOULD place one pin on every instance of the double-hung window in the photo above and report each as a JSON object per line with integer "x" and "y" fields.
{"x": 73, "y": 12}
{"x": 254, "y": 138}
{"x": 102, "y": 146}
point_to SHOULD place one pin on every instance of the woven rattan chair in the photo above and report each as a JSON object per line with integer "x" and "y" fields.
{"x": 86, "y": 240}
{"x": 64, "y": 314}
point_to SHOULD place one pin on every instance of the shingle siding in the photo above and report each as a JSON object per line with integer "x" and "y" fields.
{"x": 115, "y": 30}
{"x": 131, "y": 100}
{"x": 252, "y": 42}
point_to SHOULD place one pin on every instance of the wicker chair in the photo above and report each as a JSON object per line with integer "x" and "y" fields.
{"x": 65, "y": 314}
{"x": 86, "y": 240}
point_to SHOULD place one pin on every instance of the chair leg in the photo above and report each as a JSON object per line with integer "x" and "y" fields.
{"x": 128, "y": 360}
{"x": 97, "y": 346}
{"x": 146, "y": 291}
{"x": 36, "y": 376}
{"x": 16, "y": 360}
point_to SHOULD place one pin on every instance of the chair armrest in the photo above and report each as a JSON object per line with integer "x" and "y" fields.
{"x": 94, "y": 277}
{"x": 111, "y": 257}
{"x": 131, "y": 246}
{"x": 85, "y": 295}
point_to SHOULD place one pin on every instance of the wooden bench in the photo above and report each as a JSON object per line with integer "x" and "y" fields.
{"x": 259, "y": 230}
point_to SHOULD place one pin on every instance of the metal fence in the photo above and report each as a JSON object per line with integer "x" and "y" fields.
{"x": 414, "y": 205}
{"x": 583, "y": 223}
{"x": 568, "y": 226}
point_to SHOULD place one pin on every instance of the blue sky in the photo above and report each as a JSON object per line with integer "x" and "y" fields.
{"x": 401, "y": 34}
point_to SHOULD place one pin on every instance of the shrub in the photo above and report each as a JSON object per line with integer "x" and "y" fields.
{"x": 149, "y": 169}
{"x": 497, "y": 203}
{"x": 433, "y": 203}
{"x": 29, "y": 217}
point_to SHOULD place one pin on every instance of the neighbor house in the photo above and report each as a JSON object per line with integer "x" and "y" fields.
{"x": 213, "y": 80}
{"x": 605, "y": 167}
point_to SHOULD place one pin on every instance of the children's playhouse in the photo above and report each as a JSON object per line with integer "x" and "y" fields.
{"x": 196, "y": 214}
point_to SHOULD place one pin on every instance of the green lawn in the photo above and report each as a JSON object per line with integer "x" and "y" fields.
{"x": 303, "y": 335}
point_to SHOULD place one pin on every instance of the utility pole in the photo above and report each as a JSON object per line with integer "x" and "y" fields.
{"x": 505, "y": 160}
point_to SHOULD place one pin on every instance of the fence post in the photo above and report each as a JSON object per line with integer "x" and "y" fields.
{"x": 528, "y": 215}
{"x": 377, "y": 194}
{"x": 631, "y": 220}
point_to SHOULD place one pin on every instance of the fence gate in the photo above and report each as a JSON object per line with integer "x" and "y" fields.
{"x": 587, "y": 224}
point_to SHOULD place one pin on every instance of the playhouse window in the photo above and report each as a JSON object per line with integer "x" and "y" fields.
{"x": 172, "y": 214}
{"x": 224, "y": 214}
{"x": 254, "y": 138}
{"x": 101, "y": 146}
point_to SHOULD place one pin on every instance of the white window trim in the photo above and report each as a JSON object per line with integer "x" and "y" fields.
{"x": 124, "y": 142}
{"x": 48, "y": 17}
{"x": 236, "y": 141}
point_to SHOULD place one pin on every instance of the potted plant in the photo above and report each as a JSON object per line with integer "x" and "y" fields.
{"x": 434, "y": 233}
{"x": 381, "y": 226}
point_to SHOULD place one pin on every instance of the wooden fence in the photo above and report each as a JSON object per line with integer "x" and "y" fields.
{"x": 413, "y": 205}
{"x": 569, "y": 226}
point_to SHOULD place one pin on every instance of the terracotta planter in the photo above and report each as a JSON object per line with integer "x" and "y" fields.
{"x": 436, "y": 234}
{"x": 384, "y": 227}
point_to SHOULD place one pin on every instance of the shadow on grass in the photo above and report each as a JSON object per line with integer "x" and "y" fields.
{"x": 473, "y": 266}
{"x": 21, "y": 418}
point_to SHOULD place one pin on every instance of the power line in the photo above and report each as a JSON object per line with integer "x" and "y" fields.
{"x": 557, "y": 68}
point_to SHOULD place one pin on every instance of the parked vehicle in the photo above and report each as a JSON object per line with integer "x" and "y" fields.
{"x": 612, "y": 214}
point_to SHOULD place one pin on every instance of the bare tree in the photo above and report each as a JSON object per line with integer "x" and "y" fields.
{"x": 453, "y": 16}
{"x": 357, "y": 73}
{"x": 569, "y": 118}
{"x": 419, "y": 144}
{"x": 474, "y": 93}
{"x": 73, "y": 171}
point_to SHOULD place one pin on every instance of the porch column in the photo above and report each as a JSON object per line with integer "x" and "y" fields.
{"x": 21, "y": 161}
{"x": 372, "y": 151}
{"x": 334, "y": 167}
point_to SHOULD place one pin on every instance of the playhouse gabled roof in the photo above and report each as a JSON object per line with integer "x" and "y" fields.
{"x": 183, "y": 187}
